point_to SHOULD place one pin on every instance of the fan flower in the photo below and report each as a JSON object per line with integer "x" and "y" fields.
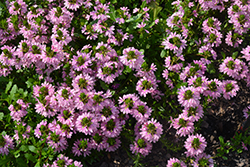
{"x": 141, "y": 146}
{"x": 188, "y": 96}
{"x": 151, "y": 131}
{"x": 81, "y": 147}
{"x": 229, "y": 89}
{"x": 195, "y": 145}
{"x": 87, "y": 123}
{"x": 6, "y": 143}
{"x": 174, "y": 162}
{"x": 132, "y": 57}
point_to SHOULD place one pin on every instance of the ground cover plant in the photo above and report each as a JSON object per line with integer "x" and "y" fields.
{"x": 80, "y": 78}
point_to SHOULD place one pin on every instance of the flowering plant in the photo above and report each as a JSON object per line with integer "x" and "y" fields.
{"x": 80, "y": 76}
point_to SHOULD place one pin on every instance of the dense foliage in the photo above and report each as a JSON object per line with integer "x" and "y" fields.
{"x": 80, "y": 78}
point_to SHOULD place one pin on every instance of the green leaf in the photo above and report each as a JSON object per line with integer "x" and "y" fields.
{"x": 163, "y": 53}
{"x": 4, "y": 161}
{"x": 1, "y": 115}
{"x": 144, "y": 3}
{"x": 20, "y": 161}
{"x": 223, "y": 55}
{"x": 112, "y": 13}
{"x": 30, "y": 82}
{"x": 225, "y": 158}
{"x": 38, "y": 163}
{"x": 135, "y": 18}
{"x": 211, "y": 69}
{"x": 104, "y": 85}
{"x": 30, "y": 157}
{"x": 234, "y": 55}
{"x": 12, "y": 92}
{"x": 32, "y": 149}
{"x": 24, "y": 148}
{"x": 221, "y": 140}
{"x": 8, "y": 86}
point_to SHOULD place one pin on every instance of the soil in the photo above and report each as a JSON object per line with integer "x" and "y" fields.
{"x": 223, "y": 118}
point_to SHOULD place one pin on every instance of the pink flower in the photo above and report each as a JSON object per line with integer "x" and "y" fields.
{"x": 57, "y": 142}
{"x": 188, "y": 97}
{"x": 81, "y": 147}
{"x": 214, "y": 89}
{"x": 146, "y": 85}
{"x": 233, "y": 68}
{"x": 61, "y": 159}
{"x": 195, "y": 145}
{"x": 113, "y": 144}
{"x": 175, "y": 42}
{"x": 111, "y": 128}
{"x": 6, "y": 143}
{"x": 127, "y": 103}
{"x": 87, "y": 123}
{"x": 203, "y": 159}
{"x": 132, "y": 57}
{"x": 74, "y": 5}
{"x": 141, "y": 146}
{"x": 229, "y": 88}
{"x": 172, "y": 162}
{"x": 246, "y": 53}
{"x": 151, "y": 131}
{"x": 193, "y": 113}
{"x": 183, "y": 125}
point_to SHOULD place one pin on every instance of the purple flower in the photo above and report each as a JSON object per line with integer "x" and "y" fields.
{"x": 188, "y": 96}
{"x": 87, "y": 123}
{"x": 132, "y": 57}
{"x": 127, "y": 103}
{"x": 193, "y": 113}
{"x": 195, "y": 145}
{"x": 62, "y": 161}
{"x": 73, "y": 5}
{"x": 173, "y": 162}
{"x": 113, "y": 144}
{"x": 246, "y": 53}
{"x": 175, "y": 42}
{"x": 81, "y": 147}
{"x": 214, "y": 89}
{"x": 141, "y": 146}
{"x": 6, "y": 143}
{"x": 229, "y": 88}
{"x": 57, "y": 142}
{"x": 151, "y": 131}
{"x": 146, "y": 85}
{"x": 18, "y": 110}
{"x": 233, "y": 68}
{"x": 111, "y": 128}
{"x": 183, "y": 125}
{"x": 203, "y": 160}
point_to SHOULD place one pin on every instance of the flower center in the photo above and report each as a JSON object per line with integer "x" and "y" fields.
{"x": 151, "y": 128}
{"x": 188, "y": 95}
{"x": 196, "y": 143}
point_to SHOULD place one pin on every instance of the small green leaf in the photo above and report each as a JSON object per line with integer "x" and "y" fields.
{"x": 163, "y": 53}
{"x": 38, "y": 163}
{"x": 32, "y": 148}
{"x": 1, "y": 115}
{"x": 30, "y": 157}
{"x": 223, "y": 55}
{"x": 135, "y": 18}
{"x": 225, "y": 158}
{"x": 8, "y": 86}
{"x": 12, "y": 92}
{"x": 234, "y": 55}
{"x": 24, "y": 148}
{"x": 104, "y": 85}
{"x": 20, "y": 161}
{"x": 221, "y": 140}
